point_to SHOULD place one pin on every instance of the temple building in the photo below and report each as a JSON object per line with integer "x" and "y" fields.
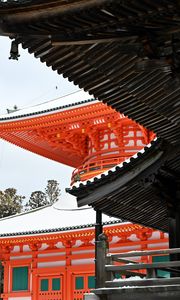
{"x": 48, "y": 253}
{"x": 125, "y": 54}
{"x": 87, "y": 135}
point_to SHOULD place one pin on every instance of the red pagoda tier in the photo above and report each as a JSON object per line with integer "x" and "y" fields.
{"x": 87, "y": 135}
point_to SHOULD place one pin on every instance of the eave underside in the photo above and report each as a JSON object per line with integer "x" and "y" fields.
{"x": 118, "y": 52}
{"x": 125, "y": 54}
{"x": 144, "y": 190}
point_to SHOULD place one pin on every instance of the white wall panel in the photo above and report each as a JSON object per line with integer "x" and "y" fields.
{"x": 19, "y": 298}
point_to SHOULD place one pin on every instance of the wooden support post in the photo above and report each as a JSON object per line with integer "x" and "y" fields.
{"x": 177, "y": 218}
{"x": 6, "y": 278}
{"x": 174, "y": 235}
{"x": 172, "y": 240}
{"x": 102, "y": 249}
{"x": 151, "y": 273}
{"x": 98, "y": 231}
{"x": 98, "y": 225}
{"x": 1, "y": 279}
{"x": 108, "y": 275}
{"x": 33, "y": 274}
{"x": 68, "y": 248}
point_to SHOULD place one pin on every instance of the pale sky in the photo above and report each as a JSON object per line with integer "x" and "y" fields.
{"x": 28, "y": 82}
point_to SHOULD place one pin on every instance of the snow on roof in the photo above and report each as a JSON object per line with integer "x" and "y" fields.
{"x": 50, "y": 219}
{"x": 76, "y": 99}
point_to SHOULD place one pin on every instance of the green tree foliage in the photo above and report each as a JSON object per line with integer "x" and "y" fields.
{"x": 39, "y": 198}
{"x": 10, "y": 202}
{"x": 52, "y": 191}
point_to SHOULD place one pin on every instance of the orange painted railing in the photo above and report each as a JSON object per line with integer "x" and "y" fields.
{"x": 94, "y": 168}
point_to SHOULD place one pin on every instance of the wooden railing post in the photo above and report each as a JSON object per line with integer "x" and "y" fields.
{"x": 102, "y": 249}
{"x": 151, "y": 273}
{"x": 98, "y": 231}
{"x": 109, "y": 261}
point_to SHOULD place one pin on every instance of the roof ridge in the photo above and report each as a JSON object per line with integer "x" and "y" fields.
{"x": 25, "y": 212}
{"x": 10, "y": 116}
{"x": 58, "y": 229}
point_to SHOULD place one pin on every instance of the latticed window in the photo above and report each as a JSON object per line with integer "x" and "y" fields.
{"x": 20, "y": 279}
{"x": 79, "y": 283}
{"x": 44, "y": 284}
{"x": 82, "y": 283}
{"x": 50, "y": 288}
{"x": 56, "y": 284}
{"x": 91, "y": 282}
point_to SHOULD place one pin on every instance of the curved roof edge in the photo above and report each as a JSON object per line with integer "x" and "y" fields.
{"x": 48, "y": 107}
{"x": 58, "y": 229}
{"x": 100, "y": 178}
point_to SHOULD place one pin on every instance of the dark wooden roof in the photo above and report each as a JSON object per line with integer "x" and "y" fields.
{"x": 126, "y": 53}
{"x": 137, "y": 190}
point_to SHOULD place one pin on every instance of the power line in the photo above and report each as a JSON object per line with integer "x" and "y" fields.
{"x": 54, "y": 99}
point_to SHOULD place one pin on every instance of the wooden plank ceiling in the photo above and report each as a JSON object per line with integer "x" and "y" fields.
{"x": 127, "y": 54}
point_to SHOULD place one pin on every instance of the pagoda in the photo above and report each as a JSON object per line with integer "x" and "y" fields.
{"x": 125, "y": 53}
{"x": 87, "y": 135}
{"x": 93, "y": 138}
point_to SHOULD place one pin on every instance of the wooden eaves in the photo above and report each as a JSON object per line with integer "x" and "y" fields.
{"x": 125, "y": 53}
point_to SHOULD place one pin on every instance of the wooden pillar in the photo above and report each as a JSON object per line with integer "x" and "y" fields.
{"x": 174, "y": 235}
{"x": 98, "y": 225}
{"x": 6, "y": 279}
{"x": 1, "y": 278}
{"x": 177, "y": 218}
{"x": 98, "y": 231}
{"x": 102, "y": 249}
{"x": 34, "y": 278}
{"x": 68, "y": 281}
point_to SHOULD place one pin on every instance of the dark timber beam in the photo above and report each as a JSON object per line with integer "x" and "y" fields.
{"x": 98, "y": 231}
{"x": 129, "y": 176}
{"x": 174, "y": 231}
{"x": 46, "y": 8}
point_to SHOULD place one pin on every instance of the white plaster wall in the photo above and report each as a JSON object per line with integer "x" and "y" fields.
{"x": 128, "y": 248}
{"x": 82, "y": 261}
{"x": 20, "y": 257}
{"x": 51, "y": 264}
{"x": 83, "y": 251}
{"x": 16, "y": 249}
{"x": 19, "y": 298}
{"x": 51, "y": 254}
{"x": 162, "y": 245}
{"x": 26, "y": 248}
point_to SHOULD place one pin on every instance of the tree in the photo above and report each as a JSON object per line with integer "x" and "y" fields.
{"x": 10, "y": 202}
{"x": 52, "y": 191}
{"x": 37, "y": 199}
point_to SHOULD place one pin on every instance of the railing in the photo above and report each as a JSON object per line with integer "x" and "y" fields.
{"x": 93, "y": 168}
{"x": 133, "y": 272}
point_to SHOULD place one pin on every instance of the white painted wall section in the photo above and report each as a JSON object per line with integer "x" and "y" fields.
{"x": 19, "y": 298}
